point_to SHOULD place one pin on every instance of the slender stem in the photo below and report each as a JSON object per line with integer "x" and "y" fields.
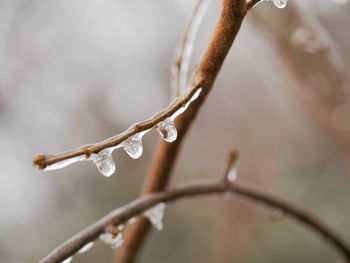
{"x": 227, "y": 28}
{"x": 198, "y": 188}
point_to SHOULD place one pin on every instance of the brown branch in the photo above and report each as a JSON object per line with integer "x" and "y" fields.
{"x": 198, "y": 188}
{"x": 233, "y": 13}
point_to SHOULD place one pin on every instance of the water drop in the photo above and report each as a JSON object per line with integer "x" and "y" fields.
{"x": 276, "y": 215}
{"x": 133, "y": 146}
{"x": 67, "y": 260}
{"x": 104, "y": 162}
{"x": 155, "y": 215}
{"x": 86, "y": 247}
{"x": 280, "y": 3}
{"x": 114, "y": 238}
{"x": 167, "y": 130}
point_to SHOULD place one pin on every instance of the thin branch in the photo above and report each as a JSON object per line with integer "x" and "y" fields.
{"x": 198, "y": 188}
{"x": 232, "y": 15}
{"x": 180, "y": 67}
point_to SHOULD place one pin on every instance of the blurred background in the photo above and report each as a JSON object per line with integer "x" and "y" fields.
{"x": 75, "y": 72}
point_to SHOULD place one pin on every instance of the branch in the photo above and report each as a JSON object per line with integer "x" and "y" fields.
{"x": 233, "y": 13}
{"x": 197, "y": 188}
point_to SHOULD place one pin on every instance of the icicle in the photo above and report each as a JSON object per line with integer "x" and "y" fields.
{"x": 155, "y": 215}
{"x": 280, "y": 3}
{"x": 133, "y": 146}
{"x": 64, "y": 163}
{"x": 167, "y": 130}
{"x": 86, "y": 247}
{"x": 104, "y": 162}
{"x": 114, "y": 239}
{"x": 67, "y": 260}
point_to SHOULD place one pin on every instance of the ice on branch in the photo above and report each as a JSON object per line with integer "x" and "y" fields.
{"x": 113, "y": 236}
{"x": 64, "y": 163}
{"x": 86, "y": 248}
{"x": 104, "y": 162}
{"x": 155, "y": 215}
{"x": 167, "y": 130}
{"x": 67, "y": 260}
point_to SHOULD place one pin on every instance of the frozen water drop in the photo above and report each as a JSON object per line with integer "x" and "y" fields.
{"x": 86, "y": 247}
{"x": 67, "y": 260}
{"x": 276, "y": 215}
{"x": 133, "y": 146}
{"x": 233, "y": 173}
{"x": 104, "y": 162}
{"x": 167, "y": 130}
{"x": 280, "y": 3}
{"x": 114, "y": 239}
{"x": 155, "y": 215}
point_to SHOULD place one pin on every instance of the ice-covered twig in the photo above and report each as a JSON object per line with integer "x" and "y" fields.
{"x": 181, "y": 65}
{"x": 178, "y": 106}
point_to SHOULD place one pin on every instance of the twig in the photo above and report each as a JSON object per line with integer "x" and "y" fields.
{"x": 232, "y": 15}
{"x": 43, "y": 161}
{"x": 198, "y": 188}
{"x": 180, "y": 67}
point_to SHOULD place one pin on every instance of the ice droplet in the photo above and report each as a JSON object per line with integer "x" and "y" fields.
{"x": 155, "y": 215}
{"x": 114, "y": 239}
{"x": 276, "y": 215}
{"x": 67, "y": 260}
{"x": 167, "y": 130}
{"x": 280, "y": 3}
{"x": 233, "y": 173}
{"x": 133, "y": 146}
{"x": 64, "y": 163}
{"x": 104, "y": 162}
{"x": 86, "y": 247}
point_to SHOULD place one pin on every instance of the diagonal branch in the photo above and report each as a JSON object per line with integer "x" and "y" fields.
{"x": 233, "y": 13}
{"x": 195, "y": 189}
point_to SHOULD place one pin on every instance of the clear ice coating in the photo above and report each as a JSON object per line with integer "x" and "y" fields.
{"x": 280, "y": 3}
{"x": 167, "y": 130}
{"x": 133, "y": 146}
{"x": 86, "y": 247}
{"x": 64, "y": 163}
{"x": 233, "y": 173}
{"x": 114, "y": 240}
{"x": 104, "y": 162}
{"x": 67, "y": 260}
{"x": 155, "y": 215}
{"x": 184, "y": 108}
